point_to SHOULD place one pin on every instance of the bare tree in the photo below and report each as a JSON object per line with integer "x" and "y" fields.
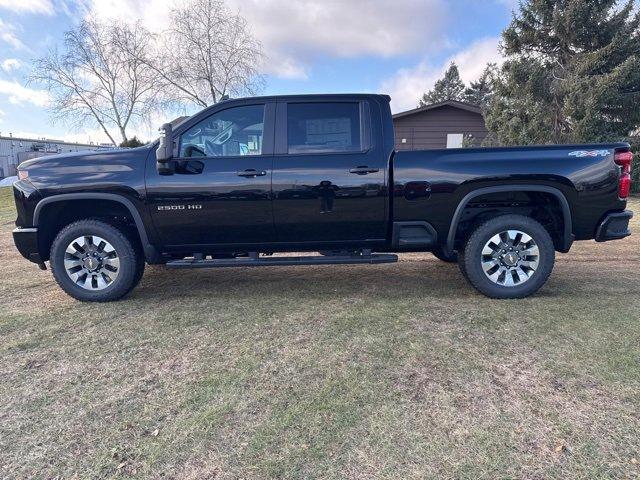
{"x": 208, "y": 52}
{"x": 98, "y": 78}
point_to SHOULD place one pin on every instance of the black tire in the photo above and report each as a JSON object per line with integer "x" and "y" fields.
{"x": 447, "y": 257}
{"x": 471, "y": 259}
{"x": 140, "y": 264}
{"x": 462, "y": 265}
{"x": 131, "y": 262}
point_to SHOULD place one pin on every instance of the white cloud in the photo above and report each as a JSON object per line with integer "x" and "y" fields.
{"x": 408, "y": 84}
{"x": 19, "y": 94}
{"x": 153, "y": 13}
{"x": 11, "y": 64}
{"x": 28, "y": 6}
{"x": 7, "y": 34}
{"x": 296, "y": 33}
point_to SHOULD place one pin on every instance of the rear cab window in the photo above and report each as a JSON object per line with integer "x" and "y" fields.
{"x": 328, "y": 127}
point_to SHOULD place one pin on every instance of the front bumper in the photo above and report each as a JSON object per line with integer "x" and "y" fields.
{"x": 26, "y": 240}
{"x": 614, "y": 226}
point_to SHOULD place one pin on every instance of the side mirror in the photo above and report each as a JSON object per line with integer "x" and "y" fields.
{"x": 164, "y": 153}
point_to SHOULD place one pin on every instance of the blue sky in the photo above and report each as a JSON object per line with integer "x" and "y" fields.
{"x": 399, "y": 47}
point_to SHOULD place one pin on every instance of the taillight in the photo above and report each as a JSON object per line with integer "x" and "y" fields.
{"x": 23, "y": 174}
{"x": 624, "y": 159}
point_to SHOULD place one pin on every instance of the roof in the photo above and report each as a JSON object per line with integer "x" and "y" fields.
{"x": 303, "y": 97}
{"x": 448, "y": 103}
{"x": 46, "y": 140}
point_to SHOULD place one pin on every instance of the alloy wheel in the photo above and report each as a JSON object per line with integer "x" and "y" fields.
{"x": 91, "y": 262}
{"x": 510, "y": 258}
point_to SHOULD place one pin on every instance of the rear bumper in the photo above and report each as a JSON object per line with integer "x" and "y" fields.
{"x": 26, "y": 240}
{"x": 614, "y": 226}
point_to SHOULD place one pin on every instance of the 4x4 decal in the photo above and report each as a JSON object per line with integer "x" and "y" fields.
{"x": 590, "y": 153}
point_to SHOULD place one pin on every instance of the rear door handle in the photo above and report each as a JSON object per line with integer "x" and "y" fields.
{"x": 250, "y": 172}
{"x": 363, "y": 170}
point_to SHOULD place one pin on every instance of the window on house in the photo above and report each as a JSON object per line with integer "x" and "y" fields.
{"x": 454, "y": 140}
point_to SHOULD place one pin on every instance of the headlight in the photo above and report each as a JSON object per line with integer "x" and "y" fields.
{"x": 23, "y": 174}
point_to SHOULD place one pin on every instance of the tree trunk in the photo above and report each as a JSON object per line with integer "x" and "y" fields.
{"x": 123, "y": 134}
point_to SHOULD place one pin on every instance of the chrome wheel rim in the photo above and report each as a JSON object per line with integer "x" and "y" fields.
{"x": 91, "y": 262}
{"x": 510, "y": 258}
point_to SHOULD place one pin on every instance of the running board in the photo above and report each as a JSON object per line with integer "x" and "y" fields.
{"x": 283, "y": 261}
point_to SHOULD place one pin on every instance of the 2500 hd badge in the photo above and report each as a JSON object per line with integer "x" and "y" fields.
{"x": 179, "y": 207}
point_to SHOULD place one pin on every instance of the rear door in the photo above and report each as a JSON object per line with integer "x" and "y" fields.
{"x": 329, "y": 175}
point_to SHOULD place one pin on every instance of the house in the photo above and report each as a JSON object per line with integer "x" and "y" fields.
{"x": 449, "y": 124}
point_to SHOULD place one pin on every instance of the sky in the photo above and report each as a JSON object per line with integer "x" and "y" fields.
{"x": 397, "y": 47}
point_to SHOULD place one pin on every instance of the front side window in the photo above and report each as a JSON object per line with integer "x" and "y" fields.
{"x": 323, "y": 127}
{"x": 235, "y": 131}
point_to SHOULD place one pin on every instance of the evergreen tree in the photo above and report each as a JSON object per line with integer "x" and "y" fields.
{"x": 480, "y": 92}
{"x": 133, "y": 142}
{"x": 572, "y": 73}
{"x": 450, "y": 87}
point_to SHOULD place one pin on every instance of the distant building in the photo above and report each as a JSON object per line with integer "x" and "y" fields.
{"x": 14, "y": 150}
{"x": 447, "y": 124}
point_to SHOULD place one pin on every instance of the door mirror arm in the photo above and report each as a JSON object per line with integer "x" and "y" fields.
{"x": 164, "y": 152}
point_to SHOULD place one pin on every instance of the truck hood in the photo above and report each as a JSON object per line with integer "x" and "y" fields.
{"x": 90, "y": 157}
{"x": 86, "y": 171}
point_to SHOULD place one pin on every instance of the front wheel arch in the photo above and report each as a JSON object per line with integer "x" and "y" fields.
{"x": 53, "y": 213}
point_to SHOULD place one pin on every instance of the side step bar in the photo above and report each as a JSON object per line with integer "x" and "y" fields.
{"x": 255, "y": 261}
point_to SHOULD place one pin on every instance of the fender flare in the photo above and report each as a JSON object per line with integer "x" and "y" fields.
{"x": 149, "y": 250}
{"x": 564, "y": 204}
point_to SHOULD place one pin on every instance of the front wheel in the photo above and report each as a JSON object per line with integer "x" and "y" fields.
{"x": 510, "y": 256}
{"x": 95, "y": 261}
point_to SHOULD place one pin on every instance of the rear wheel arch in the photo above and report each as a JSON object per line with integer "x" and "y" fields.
{"x": 562, "y": 239}
{"x": 52, "y": 214}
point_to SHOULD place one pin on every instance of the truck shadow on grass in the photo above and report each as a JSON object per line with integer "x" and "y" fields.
{"x": 406, "y": 280}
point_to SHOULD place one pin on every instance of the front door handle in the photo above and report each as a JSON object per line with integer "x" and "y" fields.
{"x": 363, "y": 170}
{"x": 251, "y": 173}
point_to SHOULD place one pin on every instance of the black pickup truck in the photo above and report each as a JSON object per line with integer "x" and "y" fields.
{"x": 247, "y": 178}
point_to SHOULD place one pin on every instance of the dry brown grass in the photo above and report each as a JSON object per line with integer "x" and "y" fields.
{"x": 390, "y": 371}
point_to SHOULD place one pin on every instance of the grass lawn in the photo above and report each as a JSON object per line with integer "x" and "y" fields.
{"x": 389, "y": 371}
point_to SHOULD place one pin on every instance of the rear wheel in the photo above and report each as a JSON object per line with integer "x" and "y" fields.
{"x": 510, "y": 256}
{"x": 95, "y": 261}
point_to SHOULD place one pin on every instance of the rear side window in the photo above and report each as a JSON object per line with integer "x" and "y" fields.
{"x": 324, "y": 127}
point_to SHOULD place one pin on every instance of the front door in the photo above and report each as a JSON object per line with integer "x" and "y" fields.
{"x": 329, "y": 173}
{"x": 221, "y": 190}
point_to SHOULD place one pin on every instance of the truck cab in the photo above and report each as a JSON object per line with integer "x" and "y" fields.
{"x": 303, "y": 172}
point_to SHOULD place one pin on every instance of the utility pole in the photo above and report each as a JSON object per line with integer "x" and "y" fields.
{"x": 13, "y": 160}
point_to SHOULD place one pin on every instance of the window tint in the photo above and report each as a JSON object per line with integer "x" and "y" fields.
{"x": 323, "y": 127}
{"x": 235, "y": 131}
